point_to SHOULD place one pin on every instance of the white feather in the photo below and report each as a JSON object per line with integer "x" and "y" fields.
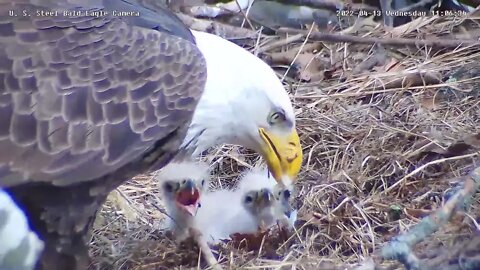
{"x": 222, "y": 215}
{"x": 177, "y": 171}
{"x": 256, "y": 179}
{"x": 259, "y": 178}
{"x": 222, "y": 212}
{"x": 240, "y": 93}
{"x": 20, "y": 248}
{"x": 178, "y": 221}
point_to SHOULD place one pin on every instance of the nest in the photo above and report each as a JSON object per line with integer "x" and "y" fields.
{"x": 388, "y": 131}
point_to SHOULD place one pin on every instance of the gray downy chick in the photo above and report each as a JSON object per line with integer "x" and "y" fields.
{"x": 182, "y": 185}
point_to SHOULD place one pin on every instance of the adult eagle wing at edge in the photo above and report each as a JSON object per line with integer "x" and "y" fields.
{"x": 86, "y": 103}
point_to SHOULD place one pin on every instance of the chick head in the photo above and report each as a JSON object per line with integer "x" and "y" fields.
{"x": 256, "y": 201}
{"x": 183, "y": 184}
{"x": 185, "y": 194}
{"x": 283, "y": 196}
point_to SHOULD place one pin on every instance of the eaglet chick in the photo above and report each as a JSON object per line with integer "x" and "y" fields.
{"x": 250, "y": 207}
{"x": 283, "y": 212}
{"x": 182, "y": 185}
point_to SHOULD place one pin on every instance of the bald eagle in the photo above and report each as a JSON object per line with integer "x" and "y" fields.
{"x": 87, "y": 101}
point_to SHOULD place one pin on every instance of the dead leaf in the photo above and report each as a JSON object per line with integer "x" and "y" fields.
{"x": 429, "y": 100}
{"x": 308, "y": 66}
{"x": 269, "y": 240}
{"x": 412, "y": 26}
{"x": 360, "y": 23}
{"x": 473, "y": 140}
{"x": 417, "y": 213}
{"x": 417, "y": 78}
{"x": 392, "y": 65}
{"x": 121, "y": 204}
{"x": 458, "y": 148}
{"x": 248, "y": 241}
{"x": 378, "y": 58}
{"x": 183, "y": 5}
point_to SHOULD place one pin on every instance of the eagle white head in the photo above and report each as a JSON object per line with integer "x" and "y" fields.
{"x": 244, "y": 103}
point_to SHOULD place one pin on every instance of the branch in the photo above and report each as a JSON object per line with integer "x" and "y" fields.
{"x": 220, "y": 29}
{"x": 323, "y": 4}
{"x": 230, "y": 32}
{"x": 432, "y": 42}
{"x": 400, "y": 248}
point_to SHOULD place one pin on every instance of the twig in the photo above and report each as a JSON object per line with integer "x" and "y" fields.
{"x": 165, "y": 213}
{"x": 220, "y": 29}
{"x": 245, "y": 15}
{"x": 432, "y": 42}
{"x": 205, "y": 249}
{"x": 400, "y": 247}
{"x": 419, "y": 169}
{"x": 279, "y": 43}
{"x": 323, "y": 4}
{"x": 298, "y": 53}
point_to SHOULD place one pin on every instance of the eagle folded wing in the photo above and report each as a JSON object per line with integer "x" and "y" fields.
{"x": 82, "y": 96}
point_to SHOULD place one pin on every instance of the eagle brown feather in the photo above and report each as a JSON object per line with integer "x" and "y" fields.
{"x": 86, "y": 103}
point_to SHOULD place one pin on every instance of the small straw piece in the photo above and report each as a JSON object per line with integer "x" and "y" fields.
{"x": 205, "y": 249}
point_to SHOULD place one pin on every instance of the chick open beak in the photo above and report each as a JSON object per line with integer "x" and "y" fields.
{"x": 188, "y": 197}
{"x": 283, "y": 153}
{"x": 264, "y": 197}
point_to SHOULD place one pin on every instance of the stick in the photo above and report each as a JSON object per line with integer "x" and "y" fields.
{"x": 220, "y": 29}
{"x": 419, "y": 169}
{"x": 228, "y": 31}
{"x": 279, "y": 43}
{"x": 432, "y": 42}
{"x": 400, "y": 247}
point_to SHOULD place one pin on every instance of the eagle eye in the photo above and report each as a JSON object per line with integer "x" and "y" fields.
{"x": 277, "y": 117}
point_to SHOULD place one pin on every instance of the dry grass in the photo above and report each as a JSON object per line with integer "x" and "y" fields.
{"x": 377, "y": 160}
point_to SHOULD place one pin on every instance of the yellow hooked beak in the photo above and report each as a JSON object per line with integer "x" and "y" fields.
{"x": 283, "y": 154}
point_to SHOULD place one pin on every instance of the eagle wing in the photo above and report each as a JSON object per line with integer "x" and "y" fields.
{"x": 83, "y": 95}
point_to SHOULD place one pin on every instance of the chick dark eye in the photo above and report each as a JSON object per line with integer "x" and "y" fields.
{"x": 287, "y": 194}
{"x": 203, "y": 183}
{"x": 168, "y": 187}
{"x": 277, "y": 117}
{"x": 248, "y": 199}
{"x": 184, "y": 181}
